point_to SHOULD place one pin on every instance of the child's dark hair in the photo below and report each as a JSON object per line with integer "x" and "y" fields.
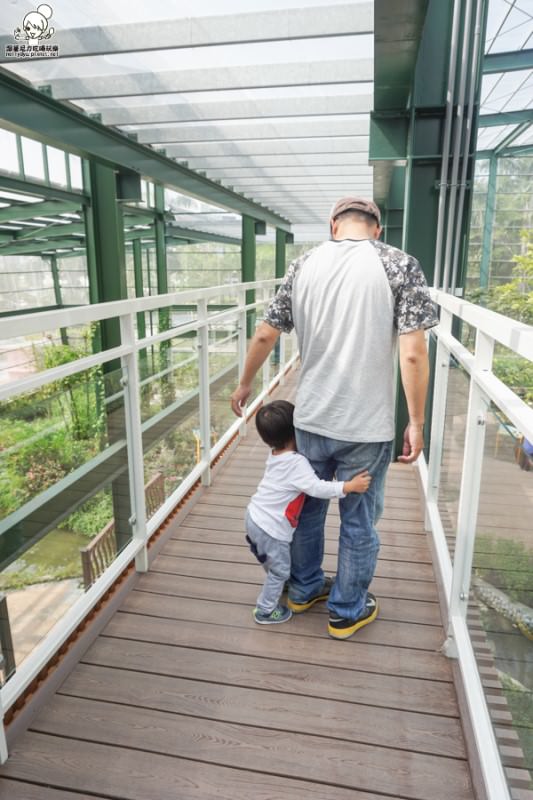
{"x": 274, "y": 423}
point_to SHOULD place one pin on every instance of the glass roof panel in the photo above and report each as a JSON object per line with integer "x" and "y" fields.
{"x": 506, "y": 91}
{"x": 101, "y": 12}
{"x": 509, "y": 26}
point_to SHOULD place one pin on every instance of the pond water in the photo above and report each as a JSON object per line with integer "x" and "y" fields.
{"x": 55, "y": 557}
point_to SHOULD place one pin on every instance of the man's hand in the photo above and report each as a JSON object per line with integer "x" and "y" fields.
{"x": 413, "y": 443}
{"x": 239, "y": 398}
{"x": 260, "y": 348}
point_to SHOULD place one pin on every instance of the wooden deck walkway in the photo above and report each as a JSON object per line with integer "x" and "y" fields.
{"x": 183, "y": 697}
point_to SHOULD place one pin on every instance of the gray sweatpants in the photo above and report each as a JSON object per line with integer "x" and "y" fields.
{"x": 275, "y": 557}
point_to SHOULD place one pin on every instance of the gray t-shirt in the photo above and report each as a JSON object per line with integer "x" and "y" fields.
{"x": 348, "y": 300}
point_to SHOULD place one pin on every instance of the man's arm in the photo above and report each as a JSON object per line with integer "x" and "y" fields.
{"x": 260, "y": 348}
{"x": 414, "y": 370}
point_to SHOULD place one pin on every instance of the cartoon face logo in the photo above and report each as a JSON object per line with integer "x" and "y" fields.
{"x": 35, "y": 25}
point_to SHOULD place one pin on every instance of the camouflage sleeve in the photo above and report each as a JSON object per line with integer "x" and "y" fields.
{"x": 413, "y": 308}
{"x": 279, "y": 312}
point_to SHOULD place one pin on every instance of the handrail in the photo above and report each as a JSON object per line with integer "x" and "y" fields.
{"x": 455, "y": 578}
{"x": 128, "y": 351}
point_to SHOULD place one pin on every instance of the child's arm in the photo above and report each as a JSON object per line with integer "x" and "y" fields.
{"x": 306, "y": 480}
{"x": 359, "y": 483}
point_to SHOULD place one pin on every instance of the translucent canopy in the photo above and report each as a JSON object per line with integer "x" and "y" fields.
{"x": 271, "y": 98}
{"x": 509, "y": 30}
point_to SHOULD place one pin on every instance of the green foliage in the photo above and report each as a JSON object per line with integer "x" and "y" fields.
{"x": 508, "y": 566}
{"x": 91, "y": 517}
{"x": 515, "y": 300}
{"x": 78, "y": 396}
{"x": 520, "y": 702}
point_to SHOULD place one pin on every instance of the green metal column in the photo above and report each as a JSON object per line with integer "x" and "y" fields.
{"x": 106, "y": 257}
{"x": 167, "y": 385}
{"x": 281, "y": 253}
{"x": 138, "y": 277}
{"x": 106, "y": 263}
{"x": 57, "y": 294}
{"x": 248, "y": 264}
{"x": 488, "y": 224}
{"x": 393, "y": 217}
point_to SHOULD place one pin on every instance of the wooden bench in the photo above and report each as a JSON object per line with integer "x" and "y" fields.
{"x": 101, "y": 551}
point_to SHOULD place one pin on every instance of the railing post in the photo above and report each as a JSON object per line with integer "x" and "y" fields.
{"x": 3, "y": 741}
{"x": 266, "y": 364}
{"x": 438, "y": 415}
{"x": 205, "y": 417}
{"x": 132, "y": 407}
{"x": 470, "y": 486}
{"x": 241, "y": 345}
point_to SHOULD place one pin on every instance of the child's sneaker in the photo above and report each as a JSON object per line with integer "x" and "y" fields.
{"x": 279, "y": 614}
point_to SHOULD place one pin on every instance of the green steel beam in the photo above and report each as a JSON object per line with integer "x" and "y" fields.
{"x": 200, "y": 236}
{"x": 52, "y": 231}
{"x": 394, "y": 208}
{"x": 57, "y": 294}
{"x": 508, "y": 62}
{"x": 388, "y": 135}
{"x": 38, "y": 248}
{"x": 248, "y": 265}
{"x": 30, "y": 112}
{"x": 505, "y": 118}
{"x": 509, "y": 152}
{"x": 31, "y": 210}
{"x": 511, "y": 137}
{"x": 281, "y": 253}
{"x": 10, "y": 184}
{"x": 490, "y": 208}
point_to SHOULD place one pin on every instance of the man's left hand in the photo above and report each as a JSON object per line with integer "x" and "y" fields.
{"x": 413, "y": 443}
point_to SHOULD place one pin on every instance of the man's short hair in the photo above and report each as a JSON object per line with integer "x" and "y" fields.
{"x": 357, "y": 205}
{"x": 274, "y": 423}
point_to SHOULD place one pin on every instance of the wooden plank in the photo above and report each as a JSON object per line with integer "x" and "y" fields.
{"x": 260, "y": 708}
{"x": 395, "y": 634}
{"x": 393, "y": 587}
{"x": 136, "y": 775}
{"x": 235, "y": 536}
{"x": 422, "y": 573}
{"x": 18, "y": 790}
{"x": 241, "y": 552}
{"x": 351, "y": 765}
{"x": 392, "y": 608}
{"x": 349, "y": 685}
{"x": 268, "y": 643}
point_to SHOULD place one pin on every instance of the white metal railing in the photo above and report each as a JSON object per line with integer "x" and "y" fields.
{"x": 455, "y": 578}
{"x": 128, "y": 351}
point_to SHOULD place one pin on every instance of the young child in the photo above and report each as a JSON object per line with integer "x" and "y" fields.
{"x": 273, "y": 511}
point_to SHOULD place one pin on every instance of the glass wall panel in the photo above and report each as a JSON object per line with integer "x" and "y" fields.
{"x": 223, "y": 372}
{"x": 453, "y": 448}
{"x": 25, "y": 282}
{"x": 33, "y": 157}
{"x": 9, "y": 161}
{"x": 170, "y": 414}
{"x": 501, "y": 619}
{"x": 64, "y": 497}
{"x": 57, "y": 166}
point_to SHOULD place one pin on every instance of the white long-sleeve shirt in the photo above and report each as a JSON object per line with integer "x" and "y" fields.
{"x": 276, "y": 505}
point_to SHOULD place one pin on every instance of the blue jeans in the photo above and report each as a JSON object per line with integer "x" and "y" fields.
{"x": 358, "y": 540}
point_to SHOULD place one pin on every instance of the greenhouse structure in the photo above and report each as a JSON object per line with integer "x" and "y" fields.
{"x": 161, "y": 165}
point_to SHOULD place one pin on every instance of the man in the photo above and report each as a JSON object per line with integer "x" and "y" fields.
{"x": 350, "y": 301}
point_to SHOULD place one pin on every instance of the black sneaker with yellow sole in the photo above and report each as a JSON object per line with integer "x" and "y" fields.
{"x": 323, "y": 594}
{"x": 341, "y": 628}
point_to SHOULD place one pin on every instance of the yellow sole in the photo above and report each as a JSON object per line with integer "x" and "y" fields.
{"x": 297, "y": 608}
{"x": 345, "y": 633}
